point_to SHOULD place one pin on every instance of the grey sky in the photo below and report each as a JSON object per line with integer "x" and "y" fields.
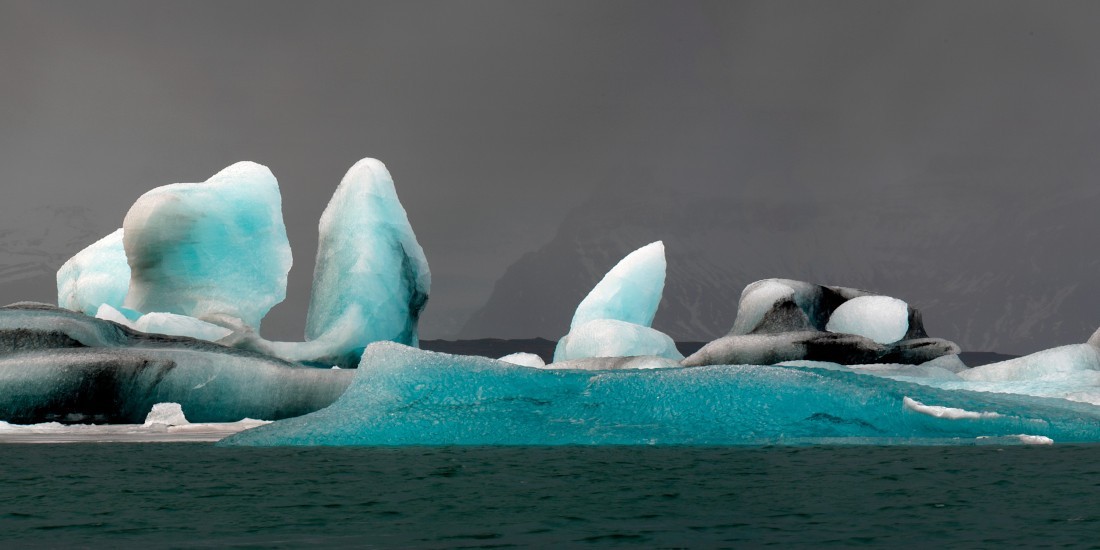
{"x": 497, "y": 119}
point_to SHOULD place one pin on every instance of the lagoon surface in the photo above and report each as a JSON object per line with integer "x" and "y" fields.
{"x": 198, "y": 495}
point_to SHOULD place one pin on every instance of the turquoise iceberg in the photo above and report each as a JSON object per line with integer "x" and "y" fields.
{"x": 406, "y": 396}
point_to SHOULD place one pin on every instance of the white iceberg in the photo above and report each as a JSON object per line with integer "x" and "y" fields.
{"x": 611, "y": 338}
{"x": 880, "y": 318}
{"x": 524, "y": 360}
{"x": 630, "y": 292}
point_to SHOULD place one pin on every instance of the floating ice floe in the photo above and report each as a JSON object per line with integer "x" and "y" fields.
{"x": 403, "y": 396}
{"x": 613, "y": 319}
{"x": 524, "y": 359}
{"x": 208, "y": 260}
{"x": 56, "y": 364}
{"x": 165, "y": 423}
{"x": 784, "y": 320}
{"x": 212, "y": 248}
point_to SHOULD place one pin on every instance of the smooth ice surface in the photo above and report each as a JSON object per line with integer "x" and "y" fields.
{"x": 108, "y": 313}
{"x": 611, "y": 338}
{"x": 880, "y": 318}
{"x": 94, "y": 276}
{"x": 212, "y": 248}
{"x": 402, "y": 396}
{"x": 524, "y": 359}
{"x": 758, "y": 298}
{"x": 180, "y": 325}
{"x": 949, "y": 413}
{"x": 636, "y": 362}
{"x": 1066, "y": 372}
{"x": 1069, "y": 372}
{"x": 630, "y": 292}
{"x": 950, "y": 363}
{"x": 372, "y": 279}
{"x": 60, "y": 365}
{"x": 165, "y": 323}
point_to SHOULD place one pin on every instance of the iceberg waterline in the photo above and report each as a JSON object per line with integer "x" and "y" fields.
{"x": 402, "y": 395}
{"x": 802, "y": 363}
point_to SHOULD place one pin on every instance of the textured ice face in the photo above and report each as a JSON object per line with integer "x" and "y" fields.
{"x": 166, "y": 414}
{"x": 203, "y": 249}
{"x": 402, "y": 395}
{"x": 880, "y": 318}
{"x": 524, "y": 359}
{"x": 94, "y": 276}
{"x": 611, "y": 338}
{"x": 368, "y": 259}
{"x": 630, "y": 292}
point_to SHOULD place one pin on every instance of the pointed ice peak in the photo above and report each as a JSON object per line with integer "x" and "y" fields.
{"x": 630, "y": 292}
{"x": 1095, "y": 340}
{"x": 203, "y": 249}
{"x": 369, "y": 261}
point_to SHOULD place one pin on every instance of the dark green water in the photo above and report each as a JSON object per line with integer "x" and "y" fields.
{"x": 195, "y": 495}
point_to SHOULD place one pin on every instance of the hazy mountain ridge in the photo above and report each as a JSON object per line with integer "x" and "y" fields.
{"x": 35, "y": 243}
{"x": 1010, "y": 276}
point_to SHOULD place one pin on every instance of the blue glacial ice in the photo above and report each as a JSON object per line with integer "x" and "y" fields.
{"x": 96, "y": 275}
{"x": 208, "y": 249}
{"x": 613, "y": 319}
{"x": 630, "y": 292}
{"x": 612, "y": 338}
{"x": 404, "y": 396}
{"x": 371, "y": 279}
{"x": 880, "y": 318}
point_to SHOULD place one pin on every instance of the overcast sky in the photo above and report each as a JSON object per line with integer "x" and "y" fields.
{"x": 497, "y": 119}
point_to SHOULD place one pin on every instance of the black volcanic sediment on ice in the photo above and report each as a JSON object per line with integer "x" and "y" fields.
{"x": 989, "y": 275}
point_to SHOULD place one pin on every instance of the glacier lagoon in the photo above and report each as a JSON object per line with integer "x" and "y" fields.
{"x": 164, "y": 310}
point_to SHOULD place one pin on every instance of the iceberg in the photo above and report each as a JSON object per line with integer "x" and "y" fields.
{"x": 611, "y": 338}
{"x": 633, "y": 362}
{"x": 209, "y": 260}
{"x": 880, "y": 318}
{"x": 403, "y": 396}
{"x": 212, "y": 248}
{"x": 94, "y": 276}
{"x": 371, "y": 279}
{"x": 524, "y": 359}
{"x": 785, "y": 320}
{"x": 613, "y": 320}
{"x": 630, "y": 292}
{"x": 165, "y": 423}
{"x": 1068, "y": 372}
{"x": 58, "y": 365}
